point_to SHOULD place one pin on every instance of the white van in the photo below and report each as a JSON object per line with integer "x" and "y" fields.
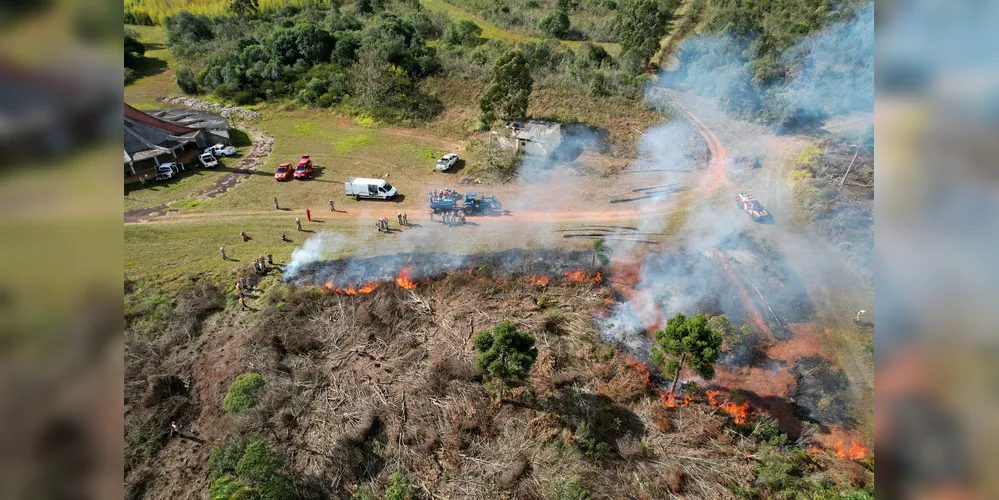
{"x": 369, "y": 188}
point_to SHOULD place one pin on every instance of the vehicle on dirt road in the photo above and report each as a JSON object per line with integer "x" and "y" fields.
{"x": 167, "y": 171}
{"x": 446, "y": 162}
{"x": 752, "y": 207}
{"x": 219, "y": 150}
{"x": 283, "y": 172}
{"x": 304, "y": 168}
{"x": 471, "y": 203}
{"x": 369, "y": 188}
{"x": 208, "y": 161}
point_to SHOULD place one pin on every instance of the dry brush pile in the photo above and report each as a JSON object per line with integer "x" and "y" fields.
{"x": 361, "y": 386}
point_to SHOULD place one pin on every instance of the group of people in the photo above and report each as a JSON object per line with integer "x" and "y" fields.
{"x": 451, "y": 217}
{"x": 242, "y": 284}
{"x": 260, "y": 264}
{"x": 382, "y": 223}
{"x": 443, "y": 194}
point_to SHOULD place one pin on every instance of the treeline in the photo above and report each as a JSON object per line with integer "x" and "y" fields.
{"x": 134, "y": 54}
{"x": 153, "y": 12}
{"x": 786, "y": 62}
{"x": 594, "y": 20}
{"x": 369, "y": 59}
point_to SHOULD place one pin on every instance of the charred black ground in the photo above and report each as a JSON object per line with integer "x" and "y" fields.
{"x": 423, "y": 266}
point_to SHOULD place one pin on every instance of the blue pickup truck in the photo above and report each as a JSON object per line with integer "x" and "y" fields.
{"x": 471, "y": 203}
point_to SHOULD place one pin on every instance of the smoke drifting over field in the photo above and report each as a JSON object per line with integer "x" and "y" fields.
{"x": 719, "y": 267}
{"x": 831, "y": 72}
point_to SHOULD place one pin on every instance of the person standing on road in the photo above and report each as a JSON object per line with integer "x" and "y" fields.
{"x": 276, "y": 207}
{"x": 398, "y": 215}
{"x": 222, "y": 251}
{"x": 405, "y": 219}
{"x": 332, "y": 206}
{"x": 298, "y": 223}
{"x": 308, "y": 214}
{"x": 431, "y": 216}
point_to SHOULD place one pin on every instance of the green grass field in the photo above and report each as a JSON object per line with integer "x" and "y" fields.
{"x": 490, "y": 30}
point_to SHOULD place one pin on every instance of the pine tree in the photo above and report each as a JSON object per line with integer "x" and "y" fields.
{"x": 506, "y": 354}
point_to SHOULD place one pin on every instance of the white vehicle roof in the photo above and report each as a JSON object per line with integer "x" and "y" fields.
{"x": 363, "y": 180}
{"x": 448, "y": 156}
{"x": 205, "y": 154}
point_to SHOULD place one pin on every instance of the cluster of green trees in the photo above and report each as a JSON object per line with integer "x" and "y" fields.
{"x": 372, "y": 58}
{"x": 252, "y": 471}
{"x": 318, "y": 56}
{"x": 134, "y": 54}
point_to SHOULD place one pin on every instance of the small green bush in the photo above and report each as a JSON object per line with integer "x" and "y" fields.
{"x": 243, "y": 394}
{"x": 227, "y": 488}
{"x": 808, "y": 154}
{"x": 223, "y": 459}
{"x": 569, "y": 488}
{"x": 261, "y": 468}
{"x": 186, "y": 80}
{"x": 398, "y": 488}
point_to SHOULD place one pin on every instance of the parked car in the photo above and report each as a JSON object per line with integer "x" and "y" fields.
{"x": 304, "y": 168}
{"x": 369, "y": 188}
{"x": 446, "y": 162}
{"x": 220, "y": 150}
{"x": 208, "y": 161}
{"x": 284, "y": 172}
{"x": 167, "y": 171}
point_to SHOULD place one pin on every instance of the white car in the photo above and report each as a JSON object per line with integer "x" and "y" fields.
{"x": 167, "y": 171}
{"x": 208, "y": 161}
{"x": 221, "y": 150}
{"x": 446, "y": 162}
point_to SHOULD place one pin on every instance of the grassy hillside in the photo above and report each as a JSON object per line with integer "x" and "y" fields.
{"x": 150, "y": 12}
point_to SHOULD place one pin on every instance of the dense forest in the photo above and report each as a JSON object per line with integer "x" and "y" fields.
{"x": 779, "y": 61}
{"x": 368, "y": 58}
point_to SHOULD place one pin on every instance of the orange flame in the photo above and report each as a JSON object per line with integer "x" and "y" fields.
{"x": 712, "y": 395}
{"x": 668, "y": 399}
{"x": 539, "y": 280}
{"x": 856, "y": 451}
{"x": 814, "y": 450}
{"x": 403, "y": 279}
{"x": 641, "y": 369}
{"x": 738, "y": 412}
{"x": 366, "y": 288}
{"x": 687, "y": 399}
{"x": 581, "y": 276}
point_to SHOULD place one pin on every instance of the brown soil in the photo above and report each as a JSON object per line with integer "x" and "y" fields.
{"x": 142, "y": 214}
{"x": 259, "y": 151}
